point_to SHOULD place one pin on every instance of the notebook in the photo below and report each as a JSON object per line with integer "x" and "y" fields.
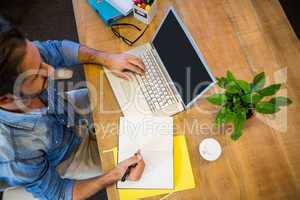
{"x": 124, "y": 6}
{"x": 154, "y": 137}
{"x": 183, "y": 174}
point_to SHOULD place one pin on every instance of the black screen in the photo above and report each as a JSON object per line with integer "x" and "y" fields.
{"x": 181, "y": 60}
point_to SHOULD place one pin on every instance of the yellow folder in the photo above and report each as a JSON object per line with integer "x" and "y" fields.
{"x": 183, "y": 174}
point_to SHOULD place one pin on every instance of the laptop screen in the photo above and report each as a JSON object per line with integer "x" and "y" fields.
{"x": 181, "y": 60}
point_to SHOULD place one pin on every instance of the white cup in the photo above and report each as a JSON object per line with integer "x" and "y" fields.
{"x": 210, "y": 149}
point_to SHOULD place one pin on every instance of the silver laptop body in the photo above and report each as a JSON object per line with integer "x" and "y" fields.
{"x": 153, "y": 94}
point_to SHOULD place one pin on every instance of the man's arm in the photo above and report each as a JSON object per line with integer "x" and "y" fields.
{"x": 67, "y": 53}
{"x": 86, "y": 188}
{"x": 42, "y": 179}
{"x": 88, "y": 55}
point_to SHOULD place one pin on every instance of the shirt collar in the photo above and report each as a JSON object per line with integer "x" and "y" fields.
{"x": 19, "y": 120}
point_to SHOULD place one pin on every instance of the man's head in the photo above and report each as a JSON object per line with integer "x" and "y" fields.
{"x": 12, "y": 53}
{"x": 19, "y": 60}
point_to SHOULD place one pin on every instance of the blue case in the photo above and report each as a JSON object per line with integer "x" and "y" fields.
{"x": 107, "y": 13}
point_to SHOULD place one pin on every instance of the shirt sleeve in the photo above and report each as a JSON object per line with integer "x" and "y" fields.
{"x": 59, "y": 53}
{"x": 43, "y": 181}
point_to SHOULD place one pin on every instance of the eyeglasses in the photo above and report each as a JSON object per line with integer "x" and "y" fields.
{"x": 126, "y": 40}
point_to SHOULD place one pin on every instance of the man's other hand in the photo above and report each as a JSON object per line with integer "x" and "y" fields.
{"x": 136, "y": 172}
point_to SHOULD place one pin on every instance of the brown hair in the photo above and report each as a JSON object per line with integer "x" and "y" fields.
{"x": 12, "y": 52}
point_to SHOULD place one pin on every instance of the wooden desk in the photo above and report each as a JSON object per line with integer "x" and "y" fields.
{"x": 247, "y": 37}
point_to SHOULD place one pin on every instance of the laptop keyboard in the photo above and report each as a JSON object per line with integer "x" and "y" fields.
{"x": 153, "y": 84}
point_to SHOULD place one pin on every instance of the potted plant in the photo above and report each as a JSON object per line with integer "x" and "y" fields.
{"x": 240, "y": 99}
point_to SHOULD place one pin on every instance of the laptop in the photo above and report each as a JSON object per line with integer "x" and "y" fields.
{"x": 176, "y": 73}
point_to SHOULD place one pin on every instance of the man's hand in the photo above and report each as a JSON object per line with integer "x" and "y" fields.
{"x": 135, "y": 173}
{"x": 122, "y": 64}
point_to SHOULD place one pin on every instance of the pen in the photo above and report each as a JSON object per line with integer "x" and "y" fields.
{"x": 128, "y": 172}
{"x": 129, "y": 169}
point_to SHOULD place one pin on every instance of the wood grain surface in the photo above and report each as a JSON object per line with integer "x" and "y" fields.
{"x": 246, "y": 37}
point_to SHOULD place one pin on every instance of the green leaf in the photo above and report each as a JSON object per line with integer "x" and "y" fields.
{"x": 229, "y": 95}
{"x": 251, "y": 98}
{"x": 244, "y": 85}
{"x": 217, "y": 99}
{"x": 232, "y": 88}
{"x": 238, "y": 125}
{"x": 270, "y": 90}
{"x": 230, "y": 76}
{"x": 229, "y": 116}
{"x": 220, "y": 117}
{"x": 236, "y": 100}
{"x": 236, "y": 107}
{"x": 281, "y": 101}
{"x": 259, "y": 81}
{"x": 266, "y": 108}
{"x": 222, "y": 82}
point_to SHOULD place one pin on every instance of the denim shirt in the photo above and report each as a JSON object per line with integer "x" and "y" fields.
{"x": 33, "y": 144}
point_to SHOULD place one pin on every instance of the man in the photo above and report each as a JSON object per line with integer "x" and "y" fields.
{"x": 35, "y": 143}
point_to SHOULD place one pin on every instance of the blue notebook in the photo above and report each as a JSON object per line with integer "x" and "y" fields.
{"x": 107, "y": 12}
